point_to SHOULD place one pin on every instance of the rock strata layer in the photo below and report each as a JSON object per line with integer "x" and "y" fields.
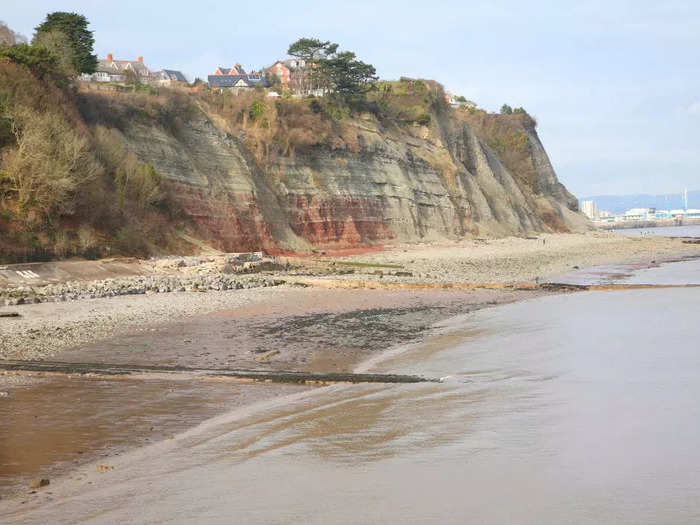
{"x": 402, "y": 183}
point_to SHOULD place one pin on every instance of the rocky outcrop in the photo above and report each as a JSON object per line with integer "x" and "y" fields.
{"x": 403, "y": 183}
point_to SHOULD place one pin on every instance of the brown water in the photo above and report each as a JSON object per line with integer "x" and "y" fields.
{"x": 53, "y": 423}
{"x": 579, "y": 408}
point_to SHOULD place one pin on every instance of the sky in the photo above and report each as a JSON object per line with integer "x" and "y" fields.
{"x": 614, "y": 85}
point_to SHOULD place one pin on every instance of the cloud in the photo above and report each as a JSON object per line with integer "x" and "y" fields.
{"x": 694, "y": 109}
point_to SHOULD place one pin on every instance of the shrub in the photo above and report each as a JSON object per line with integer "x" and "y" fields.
{"x": 37, "y": 58}
{"x": 406, "y": 101}
{"x": 138, "y": 185}
{"x": 49, "y": 164}
{"x": 58, "y": 44}
{"x": 423, "y": 119}
{"x": 256, "y": 110}
{"x": 131, "y": 239}
{"x": 68, "y": 184}
{"x": 6, "y": 135}
{"x": 507, "y": 135}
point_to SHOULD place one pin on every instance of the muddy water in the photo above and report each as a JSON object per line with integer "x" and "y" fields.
{"x": 579, "y": 408}
{"x": 52, "y": 424}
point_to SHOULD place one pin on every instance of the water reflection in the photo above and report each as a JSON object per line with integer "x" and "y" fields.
{"x": 579, "y": 408}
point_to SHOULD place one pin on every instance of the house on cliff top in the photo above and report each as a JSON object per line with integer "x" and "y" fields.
{"x": 281, "y": 72}
{"x": 169, "y": 78}
{"x": 236, "y": 78}
{"x": 110, "y": 70}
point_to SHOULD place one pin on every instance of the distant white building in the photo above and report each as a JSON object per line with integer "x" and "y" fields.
{"x": 589, "y": 209}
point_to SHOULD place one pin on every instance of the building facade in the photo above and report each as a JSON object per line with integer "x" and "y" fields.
{"x": 280, "y": 71}
{"x": 110, "y": 70}
{"x": 589, "y": 209}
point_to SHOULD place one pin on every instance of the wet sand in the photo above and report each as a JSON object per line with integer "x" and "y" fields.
{"x": 540, "y": 419}
{"x": 76, "y": 419}
{"x": 310, "y": 329}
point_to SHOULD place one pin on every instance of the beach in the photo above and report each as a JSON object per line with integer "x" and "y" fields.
{"x": 320, "y": 313}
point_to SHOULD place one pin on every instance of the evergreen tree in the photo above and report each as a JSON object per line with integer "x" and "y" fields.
{"x": 80, "y": 39}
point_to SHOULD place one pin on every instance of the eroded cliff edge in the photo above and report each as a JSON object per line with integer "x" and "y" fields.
{"x": 94, "y": 172}
{"x": 394, "y": 183}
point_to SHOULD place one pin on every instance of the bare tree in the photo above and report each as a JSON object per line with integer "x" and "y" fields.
{"x": 58, "y": 43}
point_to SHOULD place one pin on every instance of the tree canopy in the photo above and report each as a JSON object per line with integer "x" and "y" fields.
{"x": 337, "y": 71}
{"x": 59, "y": 45}
{"x": 311, "y": 49}
{"x": 346, "y": 75}
{"x": 79, "y": 38}
{"x": 36, "y": 58}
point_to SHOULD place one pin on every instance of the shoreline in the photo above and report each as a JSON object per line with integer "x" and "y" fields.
{"x": 137, "y": 466}
{"x": 331, "y": 324}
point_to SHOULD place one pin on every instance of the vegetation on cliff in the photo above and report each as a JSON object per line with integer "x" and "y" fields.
{"x": 68, "y": 186}
{"x": 506, "y": 134}
{"x": 73, "y": 181}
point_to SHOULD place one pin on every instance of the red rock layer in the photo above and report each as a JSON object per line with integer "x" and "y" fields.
{"x": 338, "y": 222}
{"x": 230, "y": 223}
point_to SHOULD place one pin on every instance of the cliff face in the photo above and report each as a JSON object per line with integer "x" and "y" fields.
{"x": 93, "y": 172}
{"x": 399, "y": 183}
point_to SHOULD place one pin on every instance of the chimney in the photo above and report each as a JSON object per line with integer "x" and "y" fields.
{"x": 110, "y": 57}
{"x": 141, "y": 59}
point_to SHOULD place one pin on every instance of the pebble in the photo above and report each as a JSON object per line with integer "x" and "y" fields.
{"x": 38, "y": 483}
{"x": 75, "y": 290}
{"x": 42, "y": 334}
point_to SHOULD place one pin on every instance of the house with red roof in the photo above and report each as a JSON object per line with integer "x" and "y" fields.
{"x": 110, "y": 70}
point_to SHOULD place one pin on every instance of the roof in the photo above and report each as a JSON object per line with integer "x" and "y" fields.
{"x": 225, "y": 81}
{"x": 123, "y": 65}
{"x": 235, "y": 70}
{"x": 105, "y": 67}
{"x": 171, "y": 74}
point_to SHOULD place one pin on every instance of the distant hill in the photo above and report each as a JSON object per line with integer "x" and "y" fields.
{"x": 622, "y": 203}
